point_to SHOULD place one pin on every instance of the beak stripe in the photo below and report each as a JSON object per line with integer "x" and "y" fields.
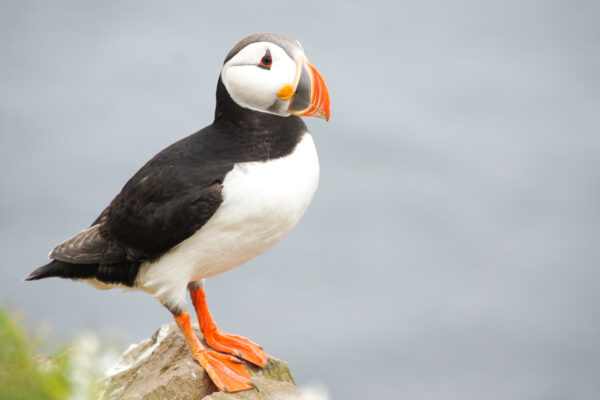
{"x": 311, "y": 97}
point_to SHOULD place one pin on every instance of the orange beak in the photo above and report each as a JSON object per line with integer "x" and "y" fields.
{"x": 311, "y": 97}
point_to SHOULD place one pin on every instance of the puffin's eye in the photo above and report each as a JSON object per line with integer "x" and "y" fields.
{"x": 266, "y": 61}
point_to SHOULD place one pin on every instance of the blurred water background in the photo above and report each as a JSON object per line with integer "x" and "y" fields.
{"x": 452, "y": 248}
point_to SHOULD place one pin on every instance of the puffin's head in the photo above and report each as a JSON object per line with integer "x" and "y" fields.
{"x": 270, "y": 73}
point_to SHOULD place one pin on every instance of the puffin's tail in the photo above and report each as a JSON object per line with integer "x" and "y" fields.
{"x": 122, "y": 273}
{"x": 63, "y": 270}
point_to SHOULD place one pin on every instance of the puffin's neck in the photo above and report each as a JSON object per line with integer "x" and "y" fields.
{"x": 227, "y": 110}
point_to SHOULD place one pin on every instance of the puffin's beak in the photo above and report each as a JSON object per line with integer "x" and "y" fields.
{"x": 310, "y": 93}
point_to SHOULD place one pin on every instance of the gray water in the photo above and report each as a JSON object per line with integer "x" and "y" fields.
{"x": 452, "y": 248}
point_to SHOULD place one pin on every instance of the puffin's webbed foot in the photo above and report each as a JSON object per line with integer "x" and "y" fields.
{"x": 224, "y": 342}
{"x": 227, "y": 372}
{"x": 237, "y": 345}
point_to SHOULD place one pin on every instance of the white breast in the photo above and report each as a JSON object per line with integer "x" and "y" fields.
{"x": 262, "y": 201}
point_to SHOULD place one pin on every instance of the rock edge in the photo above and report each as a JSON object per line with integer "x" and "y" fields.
{"x": 162, "y": 367}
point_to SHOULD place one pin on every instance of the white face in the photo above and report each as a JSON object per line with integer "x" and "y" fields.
{"x": 254, "y": 86}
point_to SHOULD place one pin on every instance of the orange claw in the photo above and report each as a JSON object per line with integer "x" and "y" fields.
{"x": 227, "y": 372}
{"x": 220, "y": 341}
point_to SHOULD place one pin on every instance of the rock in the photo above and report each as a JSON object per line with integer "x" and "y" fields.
{"x": 162, "y": 367}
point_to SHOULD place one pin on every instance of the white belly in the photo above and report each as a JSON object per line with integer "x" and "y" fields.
{"x": 262, "y": 202}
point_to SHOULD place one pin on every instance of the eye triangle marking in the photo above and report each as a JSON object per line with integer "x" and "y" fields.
{"x": 266, "y": 61}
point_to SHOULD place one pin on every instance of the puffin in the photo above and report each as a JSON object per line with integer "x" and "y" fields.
{"x": 213, "y": 200}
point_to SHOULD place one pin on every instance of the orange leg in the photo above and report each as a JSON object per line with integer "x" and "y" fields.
{"x": 220, "y": 341}
{"x": 227, "y": 372}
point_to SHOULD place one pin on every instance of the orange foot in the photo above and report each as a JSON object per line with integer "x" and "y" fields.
{"x": 227, "y": 372}
{"x": 224, "y": 342}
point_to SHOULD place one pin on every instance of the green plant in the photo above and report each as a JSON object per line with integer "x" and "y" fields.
{"x": 25, "y": 376}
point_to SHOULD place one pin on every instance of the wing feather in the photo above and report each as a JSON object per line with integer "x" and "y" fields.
{"x": 87, "y": 247}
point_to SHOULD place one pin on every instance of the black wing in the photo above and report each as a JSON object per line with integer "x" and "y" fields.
{"x": 164, "y": 203}
{"x": 167, "y": 200}
{"x": 161, "y": 207}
